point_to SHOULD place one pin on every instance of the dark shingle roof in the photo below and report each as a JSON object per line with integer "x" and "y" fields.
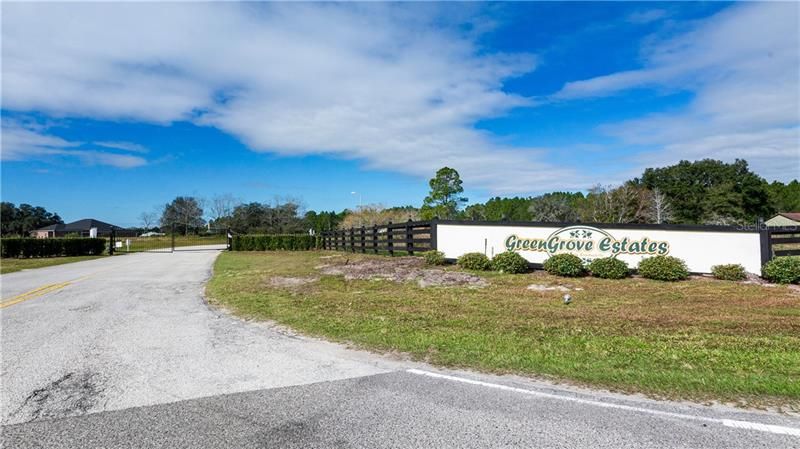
{"x": 88, "y": 223}
{"x": 81, "y": 225}
{"x": 52, "y": 227}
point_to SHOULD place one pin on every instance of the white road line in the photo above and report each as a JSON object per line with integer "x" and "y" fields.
{"x": 762, "y": 427}
{"x": 725, "y": 422}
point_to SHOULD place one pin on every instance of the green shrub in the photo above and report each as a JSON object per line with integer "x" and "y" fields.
{"x": 51, "y": 247}
{"x": 729, "y": 272}
{"x": 663, "y": 268}
{"x": 568, "y": 265}
{"x": 433, "y": 257}
{"x": 475, "y": 261}
{"x": 509, "y": 262}
{"x": 609, "y": 268}
{"x": 783, "y": 270}
{"x": 274, "y": 242}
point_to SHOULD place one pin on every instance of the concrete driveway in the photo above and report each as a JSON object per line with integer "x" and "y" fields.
{"x": 124, "y": 352}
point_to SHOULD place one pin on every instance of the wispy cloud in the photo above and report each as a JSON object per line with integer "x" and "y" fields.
{"x": 394, "y": 86}
{"x": 398, "y": 87}
{"x": 124, "y": 146}
{"x": 21, "y": 142}
{"x": 741, "y": 66}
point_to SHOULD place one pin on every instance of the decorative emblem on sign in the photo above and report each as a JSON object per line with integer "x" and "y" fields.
{"x": 587, "y": 243}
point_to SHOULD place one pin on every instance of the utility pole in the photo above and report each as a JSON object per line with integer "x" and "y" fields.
{"x": 360, "y": 217}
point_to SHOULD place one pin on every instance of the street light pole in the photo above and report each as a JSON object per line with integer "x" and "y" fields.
{"x": 360, "y": 218}
{"x": 359, "y": 198}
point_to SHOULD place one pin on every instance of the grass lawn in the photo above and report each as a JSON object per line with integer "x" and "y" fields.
{"x": 700, "y": 339}
{"x": 12, "y": 265}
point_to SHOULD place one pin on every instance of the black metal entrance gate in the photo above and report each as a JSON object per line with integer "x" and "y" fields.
{"x": 176, "y": 239}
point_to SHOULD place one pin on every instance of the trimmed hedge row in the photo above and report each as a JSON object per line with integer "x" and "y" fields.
{"x": 52, "y": 247}
{"x": 273, "y": 242}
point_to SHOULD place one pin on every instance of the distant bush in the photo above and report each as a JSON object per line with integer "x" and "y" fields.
{"x": 663, "y": 268}
{"x": 783, "y": 270}
{"x": 434, "y": 257}
{"x": 729, "y": 272}
{"x": 609, "y": 268}
{"x": 568, "y": 265}
{"x": 51, "y": 247}
{"x": 509, "y": 262}
{"x": 475, "y": 261}
{"x": 274, "y": 242}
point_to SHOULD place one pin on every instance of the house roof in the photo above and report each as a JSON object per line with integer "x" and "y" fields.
{"x": 88, "y": 223}
{"x": 52, "y": 227}
{"x": 791, "y": 215}
{"x": 81, "y": 225}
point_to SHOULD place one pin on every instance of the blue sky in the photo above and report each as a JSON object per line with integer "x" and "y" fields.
{"x": 111, "y": 110}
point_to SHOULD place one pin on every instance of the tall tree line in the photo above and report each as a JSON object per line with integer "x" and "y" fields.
{"x": 700, "y": 192}
{"x": 21, "y": 220}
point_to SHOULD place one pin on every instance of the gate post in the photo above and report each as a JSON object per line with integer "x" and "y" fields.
{"x": 766, "y": 244}
{"x": 172, "y": 232}
{"x": 433, "y": 243}
{"x": 389, "y": 243}
{"x": 409, "y": 238}
{"x": 230, "y": 239}
{"x": 375, "y": 239}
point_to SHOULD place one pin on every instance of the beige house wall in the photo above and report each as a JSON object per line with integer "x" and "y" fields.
{"x": 780, "y": 220}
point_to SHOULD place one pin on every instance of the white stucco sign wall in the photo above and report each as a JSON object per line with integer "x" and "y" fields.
{"x": 700, "y": 249}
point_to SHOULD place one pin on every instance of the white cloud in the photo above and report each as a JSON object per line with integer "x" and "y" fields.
{"x": 741, "y": 66}
{"x": 383, "y": 84}
{"x": 92, "y": 157}
{"x": 390, "y": 86}
{"x": 24, "y": 142}
{"x": 124, "y": 146}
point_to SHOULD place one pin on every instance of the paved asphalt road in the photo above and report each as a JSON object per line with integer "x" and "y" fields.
{"x": 123, "y": 352}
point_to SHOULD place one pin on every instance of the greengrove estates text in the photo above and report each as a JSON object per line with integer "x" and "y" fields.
{"x": 586, "y": 240}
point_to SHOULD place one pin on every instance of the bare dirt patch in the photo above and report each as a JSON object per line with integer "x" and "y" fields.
{"x": 402, "y": 269}
{"x": 283, "y": 281}
{"x": 758, "y": 280}
{"x": 547, "y": 288}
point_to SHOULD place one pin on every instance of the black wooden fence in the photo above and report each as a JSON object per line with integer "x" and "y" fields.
{"x": 409, "y": 237}
{"x": 782, "y": 241}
